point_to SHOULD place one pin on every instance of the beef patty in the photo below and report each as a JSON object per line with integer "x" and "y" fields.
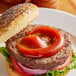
{"x": 39, "y": 63}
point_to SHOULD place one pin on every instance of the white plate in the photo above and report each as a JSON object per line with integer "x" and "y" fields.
{"x": 54, "y": 18}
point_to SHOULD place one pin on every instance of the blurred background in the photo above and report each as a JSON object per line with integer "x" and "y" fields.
{"x": 64, "y": 5}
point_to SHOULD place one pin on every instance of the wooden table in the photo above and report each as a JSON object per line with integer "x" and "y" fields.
{"x": 65, "y": 5}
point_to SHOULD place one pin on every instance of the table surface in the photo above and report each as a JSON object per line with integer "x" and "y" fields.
{"x": 65, "y": 5}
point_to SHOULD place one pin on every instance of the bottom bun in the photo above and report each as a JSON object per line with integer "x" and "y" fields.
{"x": 10, "y": 71}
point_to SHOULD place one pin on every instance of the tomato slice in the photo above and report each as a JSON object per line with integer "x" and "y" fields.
{"x": 65, "y": 64}
{"x": 47, "y": 51}
{"x": 47, "y": 0}
{"x": 13, "y": 2}
{"x": 17, "y": 68}
{"x": 45, "y": 3}
{"x": 33, "y": 42}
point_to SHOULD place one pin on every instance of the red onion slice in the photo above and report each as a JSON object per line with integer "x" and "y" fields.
{"x": 31, "y": 71}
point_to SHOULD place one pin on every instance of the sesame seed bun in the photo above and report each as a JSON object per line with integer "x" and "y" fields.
{"x": 15, "y": 19}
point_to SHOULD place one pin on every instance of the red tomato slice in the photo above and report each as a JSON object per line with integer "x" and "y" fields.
{"x": 65, "y": 64}
{"x": 47, "y": 51}
{"x": 17, "y": 68}
{"x": 33, "y": 42}
{"x": 13, "y": 2}
{"x": 48, "y": 4}
{"x": 47, "y": 0}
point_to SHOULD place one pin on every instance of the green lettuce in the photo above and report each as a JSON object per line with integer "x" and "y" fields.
{"x": 4, "y": 52}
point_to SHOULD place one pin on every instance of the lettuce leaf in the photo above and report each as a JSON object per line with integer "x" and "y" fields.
{"x": 71, "y": 66}
{"x": 4, "y": 52}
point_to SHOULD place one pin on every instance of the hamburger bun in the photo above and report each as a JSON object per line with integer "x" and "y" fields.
{"x": 15, "y": 19}
{"x": 10, "y": 71}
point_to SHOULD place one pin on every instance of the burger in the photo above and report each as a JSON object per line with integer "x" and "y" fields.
{"x": 34, "y": 50}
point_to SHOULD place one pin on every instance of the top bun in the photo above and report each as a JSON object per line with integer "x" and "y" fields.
{"x": 15, "y": 19}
